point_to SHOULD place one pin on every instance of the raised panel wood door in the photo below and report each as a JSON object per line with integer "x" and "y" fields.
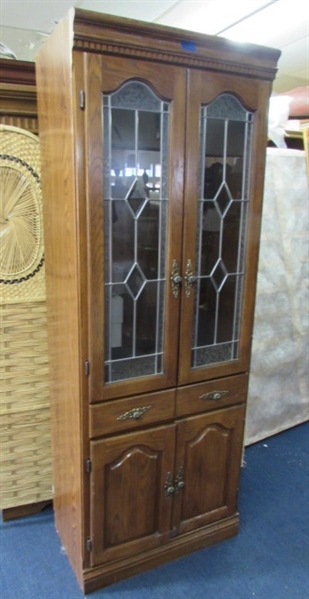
{"x": 222, "y": 198}
{"x": 130, "y": 506}
{"x": 135, "y": 124}
{"x": 208, "y": 455}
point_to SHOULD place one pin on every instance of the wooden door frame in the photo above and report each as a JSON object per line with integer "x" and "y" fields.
{"x": 169, "y": 82}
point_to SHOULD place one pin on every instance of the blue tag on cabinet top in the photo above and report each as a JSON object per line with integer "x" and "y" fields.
{"x": 188, "y": 46}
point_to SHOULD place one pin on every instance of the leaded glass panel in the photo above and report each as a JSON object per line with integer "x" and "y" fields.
{"x": 225, "y": 142}
{"x": 136, "y": 130}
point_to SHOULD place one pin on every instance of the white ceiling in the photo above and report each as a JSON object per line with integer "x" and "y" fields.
{"x": 284, "y": 24}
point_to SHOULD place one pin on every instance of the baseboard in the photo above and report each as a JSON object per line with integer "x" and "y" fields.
{"x": 102, "y": 576}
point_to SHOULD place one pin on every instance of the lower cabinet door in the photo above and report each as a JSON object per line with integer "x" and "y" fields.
{"x": 208, "y": 458}
{"x": 131, "y": 507}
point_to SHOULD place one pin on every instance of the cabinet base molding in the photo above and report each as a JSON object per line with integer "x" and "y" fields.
{"x": 97, "y": 578}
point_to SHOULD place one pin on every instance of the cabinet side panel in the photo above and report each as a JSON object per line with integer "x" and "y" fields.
{"x": 55, "y": 105}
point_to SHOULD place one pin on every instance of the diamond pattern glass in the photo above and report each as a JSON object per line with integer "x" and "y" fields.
{"x": 219, "y": 275}
{"x": 135, "y": 281}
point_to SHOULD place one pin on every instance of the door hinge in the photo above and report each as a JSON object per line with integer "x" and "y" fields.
{"x": 89, "y": 544}
{"x": 87, "y": 367}
{"x": 82, "y": 99}
{"x": 88, "y": 465}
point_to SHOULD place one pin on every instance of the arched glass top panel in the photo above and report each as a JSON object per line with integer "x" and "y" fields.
{"x": 226, "y": 106}
{"x": 135, "y": 95}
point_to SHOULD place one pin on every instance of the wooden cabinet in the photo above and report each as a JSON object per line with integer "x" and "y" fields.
{"x": 153, "y": 157}
{"x": 151, "y": 485}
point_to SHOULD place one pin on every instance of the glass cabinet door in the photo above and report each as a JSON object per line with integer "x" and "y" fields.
{"x": 225, "y": 146}
{"x": 217, "y": 205}
{"x": 138, "y": 125}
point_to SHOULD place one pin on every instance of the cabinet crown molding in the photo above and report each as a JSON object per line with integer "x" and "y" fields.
{"x": 107, "y": 34}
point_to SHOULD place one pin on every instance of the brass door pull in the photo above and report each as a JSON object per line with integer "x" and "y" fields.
{"x": 189, "y": 278}
{"x": 170, "y": 487}
{"x": 176, "y": 279}
{"x": 214, "y": 395}
{"x": 179, "y": 481}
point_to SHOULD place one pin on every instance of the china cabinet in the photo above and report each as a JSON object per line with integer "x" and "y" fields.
{"x": 152, "y": 169}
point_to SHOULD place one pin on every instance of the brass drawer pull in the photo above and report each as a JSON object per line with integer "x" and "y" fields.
{"x": 136, "y": 413}
{"x": 214, "y": 395}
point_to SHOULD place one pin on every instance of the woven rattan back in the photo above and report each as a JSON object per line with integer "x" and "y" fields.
{"x": 25, "y": 461}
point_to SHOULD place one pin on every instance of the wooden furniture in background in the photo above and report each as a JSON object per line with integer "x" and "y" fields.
{"x": 152, "y": 169}
{"x": 18, "y": 105}
{"x": 25, "y": 452}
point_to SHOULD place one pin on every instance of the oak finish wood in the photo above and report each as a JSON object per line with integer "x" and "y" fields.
{"x": 105, "y": 418}
{"x": 60, "y": 208}
{"x": 209, "y": 449}
{"x": 130, "y": 513}
{"x": 120, "y": 503}
{"x": 192, "y": 399}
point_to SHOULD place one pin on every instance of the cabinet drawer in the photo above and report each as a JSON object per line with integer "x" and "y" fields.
{"x": 211, "y": 395}
{"x": 131, "y": 413}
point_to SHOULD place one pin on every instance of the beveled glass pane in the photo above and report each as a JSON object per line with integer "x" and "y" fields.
{"x": 122, "y": 240}
{"x": 135, "y": 281}
{"x": 137, "y": 196}
{"x": 225, "y": 141}
{"x": 123, "y": 132}
{"x": 214, "y": 157}
{"x": 149, "y": 131}
{"x": 148, "y": 240}
{"x": 223, "y": 200}
{"x": 210, "y": 246}
{"x": 236, "y": 139}
{"x": 136, "y": 128}
{"x": 219, "y": 275}
{"x": 146, "y": 320}
{"x": 226, "y": 307}
{"x": 121, "y": 317}
{"x": 231, "y": 237}
{"x": 207, "y": 301}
